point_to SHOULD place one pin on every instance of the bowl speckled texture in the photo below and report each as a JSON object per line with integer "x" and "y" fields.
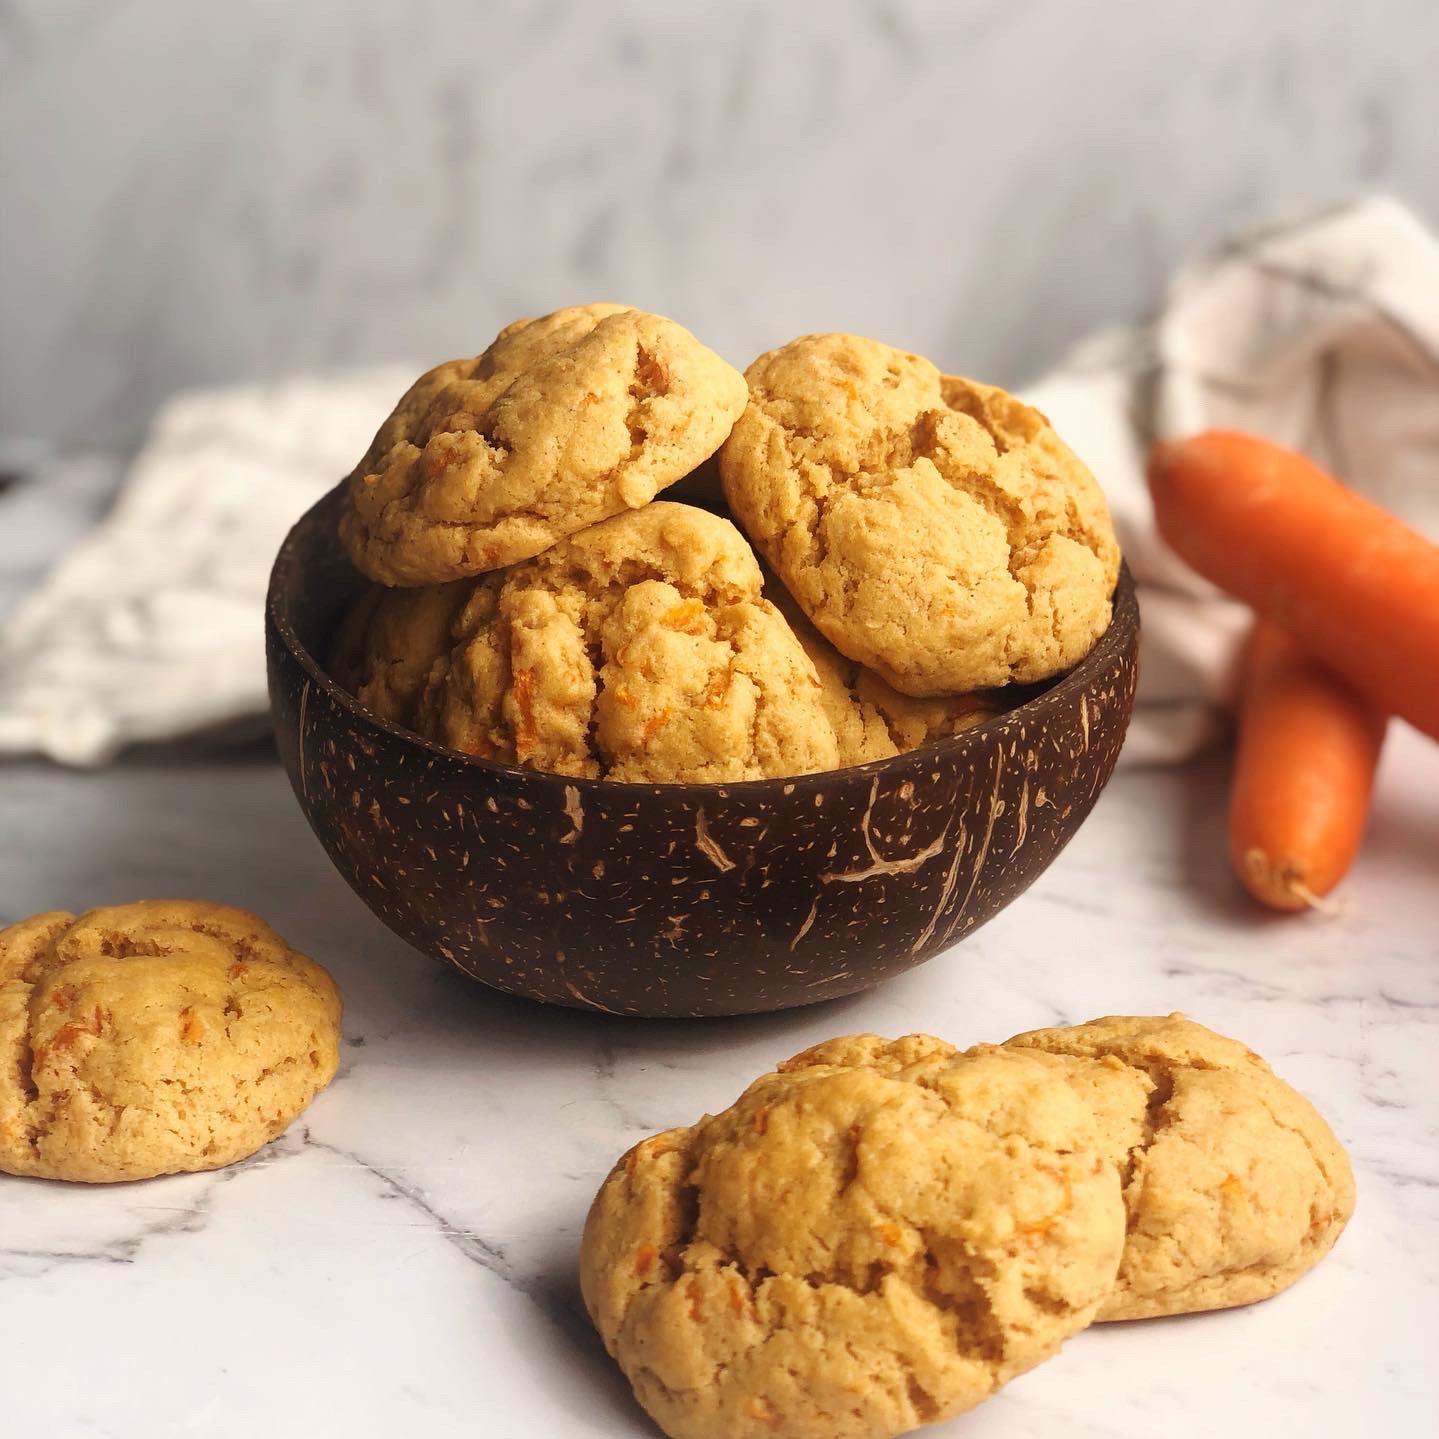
{"x": 681, "y": 900}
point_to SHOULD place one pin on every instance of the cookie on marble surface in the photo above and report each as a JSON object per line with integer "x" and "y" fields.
{"x": 562, "y": 422}
{"x": 160, "y": 1037}
{"x": 390, "y": 640}
{"x": 934, "y": 529}
{"x": 1234, "y": 1184}
{"x": 870, "y": 719}
{"x": 639, "y": 649}
{"x": 873, "y": 1237}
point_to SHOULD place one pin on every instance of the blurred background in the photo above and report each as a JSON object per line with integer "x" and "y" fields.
{"x": 195, "y": 194}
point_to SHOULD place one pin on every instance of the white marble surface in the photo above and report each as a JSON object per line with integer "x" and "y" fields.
{"x": 403, "y": 1261}
{"x": 190, "y": 200}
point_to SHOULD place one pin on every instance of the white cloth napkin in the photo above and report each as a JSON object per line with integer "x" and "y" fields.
{"x": 1322, "y": 335}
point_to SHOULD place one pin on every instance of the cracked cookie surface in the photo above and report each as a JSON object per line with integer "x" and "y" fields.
{"x": 159, "y": 1037}
{"x": 563, "y": 421}
{"x": 871, "y": 719}
{"x": 935, "y": 529}
{"x": 1234, "y": 1184}
{"x": 877, "y": 1235}
{"x": 390, "y": 640}
{"x": 640, "y": 649}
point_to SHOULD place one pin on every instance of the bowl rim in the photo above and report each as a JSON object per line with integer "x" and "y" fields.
{"x": 1119, "y": 634}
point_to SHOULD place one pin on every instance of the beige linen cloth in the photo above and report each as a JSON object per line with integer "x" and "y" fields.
{"x": 1323, "y": 335}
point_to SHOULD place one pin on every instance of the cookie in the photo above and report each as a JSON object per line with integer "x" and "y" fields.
{"x": 870, "y": 719}
{"x": 873, "y": 1237}
{"x": 389, "y": 641}
{"x": 640, "y": 649}
{"x": 159, "y": 1037}
{"x": 934, "y": 529}
{"x": 562, "y": 422}
{"x": 1234, "y": 1184}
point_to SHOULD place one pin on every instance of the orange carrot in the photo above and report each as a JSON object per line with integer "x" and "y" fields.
{"x": 1356, "y": 586}
{"x": 1308, "y": 745}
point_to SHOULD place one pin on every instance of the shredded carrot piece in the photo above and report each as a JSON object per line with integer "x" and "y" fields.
{"x": 645, "y": 1257}
{"x": 440, "y": 458}
{"x": 191, "y": 1030}
{"x": 66, "y": 1036}
{"x": 525, "y": 731}
{"x": 760, "y": 1122}
{"x": 755, "y": 1408}
{"x": 657, "y": 722}
{"x": 1230, "y": 1185}
{"x": 692, "y": 1293}
{"x": 646, "y": 1149}
{"x": 1037, "y": 1229}
{"x": 891, "y": 1233}
{"x": 685, "y": 616}
{"x": 238, "y": 968}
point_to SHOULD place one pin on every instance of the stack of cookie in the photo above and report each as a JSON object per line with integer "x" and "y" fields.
{"x": 930, "y": 540}
{"x": 880, "y": 1234}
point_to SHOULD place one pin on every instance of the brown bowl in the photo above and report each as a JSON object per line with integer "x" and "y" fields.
{"x": 683, "y": 899}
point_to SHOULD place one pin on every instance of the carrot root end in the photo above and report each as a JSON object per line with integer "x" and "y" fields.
{"x": 1280, "y": 885}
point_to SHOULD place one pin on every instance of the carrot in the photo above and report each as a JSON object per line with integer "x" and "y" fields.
{"x": 1308, "y": 746}
{"x": 1356, "y": 586}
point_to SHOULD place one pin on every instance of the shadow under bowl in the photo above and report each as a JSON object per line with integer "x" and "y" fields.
{"x": 681, "y": 900}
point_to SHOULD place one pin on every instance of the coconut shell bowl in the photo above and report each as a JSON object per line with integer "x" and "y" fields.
{"x": 681, "y": 900}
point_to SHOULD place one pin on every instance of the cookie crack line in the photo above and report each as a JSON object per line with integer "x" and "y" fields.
{"x": 1299, "y": 1134}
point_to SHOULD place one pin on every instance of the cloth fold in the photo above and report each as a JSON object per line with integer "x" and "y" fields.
{"x": 1322, "y": 335}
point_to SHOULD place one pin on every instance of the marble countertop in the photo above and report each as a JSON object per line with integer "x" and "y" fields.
{"x": 404, "y": 1259}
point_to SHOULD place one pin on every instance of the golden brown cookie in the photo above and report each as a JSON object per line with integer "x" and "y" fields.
{"x": 639, "y": 649}
{"x": 934, "y": 529}
{"x": 1234, "y": 1184}
{"x": 390, "y": 640}
{"x": 870, "y": 719}
{"x": 562, "y": 422}
{"x": 159, "y": 1037}
{"x": 876, "y": 1236}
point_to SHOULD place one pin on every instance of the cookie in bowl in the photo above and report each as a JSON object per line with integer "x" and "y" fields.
{"x": 871, "y": 719}
{"x": 933, "y": 528}
{"x": 563, "y": 421}
{"x": 389, "y": 642}
{"x": 640, "y": 649}
{"x": 159, "y": 1037}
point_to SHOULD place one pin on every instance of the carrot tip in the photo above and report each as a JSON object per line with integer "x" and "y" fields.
{"x": 1279, "y": 885}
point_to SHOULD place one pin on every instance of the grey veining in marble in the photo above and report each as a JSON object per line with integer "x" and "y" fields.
{"x": 189, "y": 200}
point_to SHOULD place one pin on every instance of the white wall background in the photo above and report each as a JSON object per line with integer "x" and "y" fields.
{"x": 194, "y": 192}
